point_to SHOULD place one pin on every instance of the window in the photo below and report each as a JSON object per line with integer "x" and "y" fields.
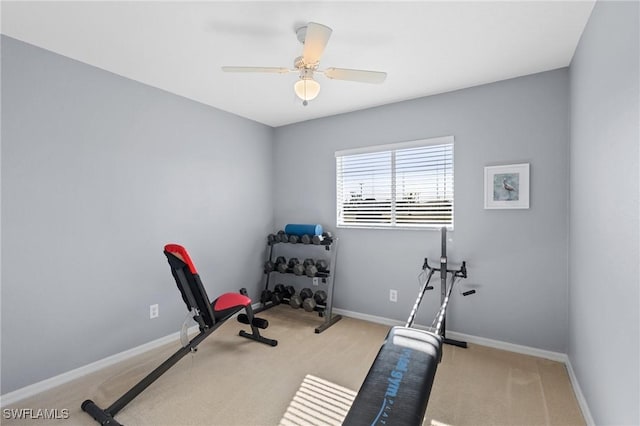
{"x": 403, "y": 185}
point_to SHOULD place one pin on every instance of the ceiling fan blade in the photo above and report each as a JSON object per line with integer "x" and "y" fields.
{"x": 276, "y": 70}
{"x": 315, "y": 41}
{"x": 355, "y": 75}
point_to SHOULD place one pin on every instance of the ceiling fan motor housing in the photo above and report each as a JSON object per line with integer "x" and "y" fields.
{"x": 300, "y": 64}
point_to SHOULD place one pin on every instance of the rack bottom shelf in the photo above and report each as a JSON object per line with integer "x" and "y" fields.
{"x": 328, "y": 322}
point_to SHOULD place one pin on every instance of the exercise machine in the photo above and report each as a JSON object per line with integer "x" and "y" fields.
{"x": 460, "y": 273}
{"x": 208, "y": 315}
{"x": 397, "y": 387}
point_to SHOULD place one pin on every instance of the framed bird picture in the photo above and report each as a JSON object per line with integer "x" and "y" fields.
{"x": 506, "y": 187}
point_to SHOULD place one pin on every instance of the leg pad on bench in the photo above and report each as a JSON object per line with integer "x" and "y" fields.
{"x": 257, "y": 322}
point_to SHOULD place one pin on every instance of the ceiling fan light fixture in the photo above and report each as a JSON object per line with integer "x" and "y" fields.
{"x": 307, "y": 89}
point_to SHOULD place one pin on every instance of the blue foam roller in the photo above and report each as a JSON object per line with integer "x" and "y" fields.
{"x": 302, "y": 229}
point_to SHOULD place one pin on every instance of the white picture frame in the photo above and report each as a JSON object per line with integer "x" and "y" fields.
{"x": 506, "y": 186}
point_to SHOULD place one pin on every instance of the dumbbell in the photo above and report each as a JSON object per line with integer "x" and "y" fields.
{"x": 269, "y": 266}
{"x": 320, "y": 297}
{"x": 305, "y": 239}
{"x": 310, "y": 268}
{"x": 289, "y": 291}
{"x": 311, "y": 304}
{"x": 306, "y": 293}
{"x": 265, "y": 296}
{"x": 325, "y": 238}
{"x": 293, "y": 262}
{"x": 308, "y": 302}
{"x": 295, "y": 301}
{"x": 293, "y": 239}
{"x": 282, "y": 237}
{"x": 272, "y": 239}
{"x": 280, "y": 264}
{"x": 278, "y": 294}
{"x": 286, "y": 292}
{"x": 322, "y": 265}
{"x": 298, "y": 268}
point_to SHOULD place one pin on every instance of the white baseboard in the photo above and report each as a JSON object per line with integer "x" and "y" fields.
{"x": 366, "y": 317}
{"x": 511, "y": 347}
{"x": 582, "y": 402}
{"x": 44, "y": 385}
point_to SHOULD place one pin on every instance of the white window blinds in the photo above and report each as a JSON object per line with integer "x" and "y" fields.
{"x": 405, "y": 185}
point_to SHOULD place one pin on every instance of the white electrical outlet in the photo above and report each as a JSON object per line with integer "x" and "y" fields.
{"x": 393, "y": 295}
{"x": 316, "y": 281}
{"x": 154, "y": 311}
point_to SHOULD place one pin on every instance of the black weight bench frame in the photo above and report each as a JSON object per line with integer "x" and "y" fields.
{"x": 208, "y": 315}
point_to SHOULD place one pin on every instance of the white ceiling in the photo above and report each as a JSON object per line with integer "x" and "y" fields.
{"x": 425, "y": 47}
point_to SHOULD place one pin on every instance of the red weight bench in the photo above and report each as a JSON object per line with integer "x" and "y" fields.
{"x": 209, "y": 316}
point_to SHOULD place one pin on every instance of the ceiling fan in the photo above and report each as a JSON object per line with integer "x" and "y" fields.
{"x": 314, "y": 36}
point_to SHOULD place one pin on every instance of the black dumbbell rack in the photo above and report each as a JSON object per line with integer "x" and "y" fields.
{"x": 326, "y": 279}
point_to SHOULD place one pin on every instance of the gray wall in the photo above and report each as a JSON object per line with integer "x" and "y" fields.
{"x": 517, "y": 259}
{"x": 604, "y": 325}
{"x": 98, "y": 173}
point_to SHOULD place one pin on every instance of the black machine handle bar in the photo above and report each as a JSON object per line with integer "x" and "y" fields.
{"x": 460, "y": 272}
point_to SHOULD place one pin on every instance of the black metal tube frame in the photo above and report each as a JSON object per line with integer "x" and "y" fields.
{"x": 106, "y": 416}
{"x": 445, "y": 291}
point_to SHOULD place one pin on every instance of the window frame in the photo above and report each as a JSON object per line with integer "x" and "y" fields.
{"x": 392, "y": 148}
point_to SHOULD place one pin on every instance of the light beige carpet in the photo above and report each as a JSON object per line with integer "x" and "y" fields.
{"x": 235, "y": 381}
{"x": 318, "y": 402}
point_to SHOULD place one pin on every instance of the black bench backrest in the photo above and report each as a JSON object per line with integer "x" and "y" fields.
{"x": 188, "y": 281}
